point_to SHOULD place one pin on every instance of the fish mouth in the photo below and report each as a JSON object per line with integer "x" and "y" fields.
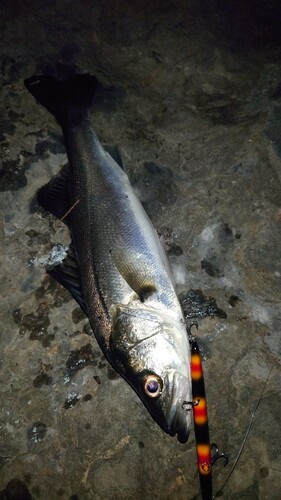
{"x": 179, "y": 417}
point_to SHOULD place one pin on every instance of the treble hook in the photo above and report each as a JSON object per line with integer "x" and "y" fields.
{"x": 191, "y": 403}
{"x": 189, "y": 328}
{"x": 217, "y": 455}
{"x": 193, "y": 323}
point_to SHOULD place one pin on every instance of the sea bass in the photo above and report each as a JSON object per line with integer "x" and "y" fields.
{"x": 117, "y": 269}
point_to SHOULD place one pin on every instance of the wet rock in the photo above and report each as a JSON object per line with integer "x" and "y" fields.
{"x": 36, "y": 238}
{"x": 174, "y": 249}
{"x": 264, "y": 471}
{"x": 80, "y": 358}
{"x": 112, "y": 374}
{"x": 53, "y": 291}
{"x": 71, "y": 400}
{"x": 87, "y": 397}
{"x": 44, "y": 147}
{"x": 77, "y": 315}
{"x": 196, "y": 305}
{"x": 37, "y": 432}
{"x": 43, "y": 378}
{"x": 213, "y": 267}
{"x": 233, "y": 300}
{"x": 17, "y": 316}
{"x": 37, "y": 326}
{"x": 12, "y": 176}
{"x": 87, "y": 329}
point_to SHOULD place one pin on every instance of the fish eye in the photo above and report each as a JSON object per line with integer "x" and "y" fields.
{"x": 152, "y": 385}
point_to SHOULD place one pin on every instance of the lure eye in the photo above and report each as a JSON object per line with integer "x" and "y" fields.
{"x": 152, "y": 385}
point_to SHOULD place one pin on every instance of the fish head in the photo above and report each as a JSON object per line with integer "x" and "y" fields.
{"x": 152, "y": 353}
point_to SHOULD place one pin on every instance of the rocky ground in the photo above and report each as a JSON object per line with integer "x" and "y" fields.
{"x": 191, "y": 95}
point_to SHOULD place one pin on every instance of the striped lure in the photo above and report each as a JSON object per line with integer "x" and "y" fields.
{"x": 201, "y": 427}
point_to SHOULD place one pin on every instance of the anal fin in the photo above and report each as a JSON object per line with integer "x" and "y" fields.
{"x": 68, "y": 275}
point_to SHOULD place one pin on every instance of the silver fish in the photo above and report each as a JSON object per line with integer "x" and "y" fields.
{"x": 117, "y": 269}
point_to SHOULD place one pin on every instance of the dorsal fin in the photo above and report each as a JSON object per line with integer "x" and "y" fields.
{"x": 115, "y": 153}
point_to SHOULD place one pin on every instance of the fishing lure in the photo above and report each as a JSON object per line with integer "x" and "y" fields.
{"x": 201, "y": 427}
{"x": 205, "y": 458}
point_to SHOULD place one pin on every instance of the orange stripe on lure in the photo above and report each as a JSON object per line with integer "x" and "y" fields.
{"x": 196, "y": 367}
{"x": 200, "y": 413}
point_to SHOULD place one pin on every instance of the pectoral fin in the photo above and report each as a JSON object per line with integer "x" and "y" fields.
{"x": 135, "y": 271}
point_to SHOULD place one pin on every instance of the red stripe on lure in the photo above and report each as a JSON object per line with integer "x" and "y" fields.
{"x": 201, "y": 427}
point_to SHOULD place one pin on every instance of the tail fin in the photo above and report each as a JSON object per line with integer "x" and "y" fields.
{"x": 70, "y": 101}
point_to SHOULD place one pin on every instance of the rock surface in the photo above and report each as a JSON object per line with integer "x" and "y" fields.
{"x": 191, "y": 95}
